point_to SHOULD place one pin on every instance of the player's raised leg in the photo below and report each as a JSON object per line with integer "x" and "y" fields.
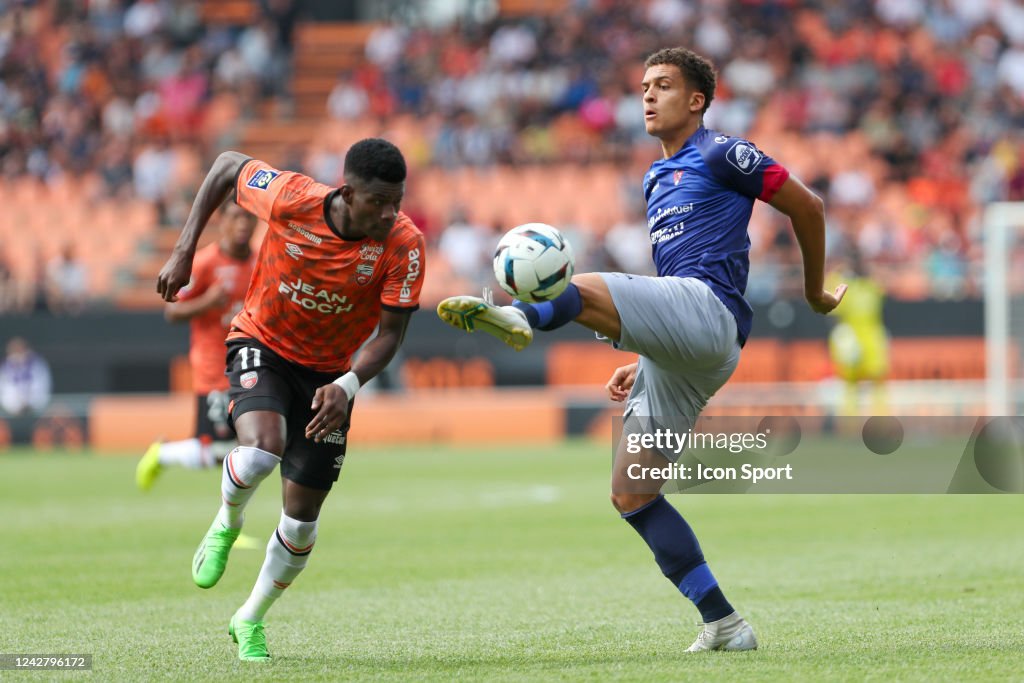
{"x": 586, "y": 300}
{"x": 261, "y": 439}
{"x": 213, "y": 440}
{"x": 190, "y": 454}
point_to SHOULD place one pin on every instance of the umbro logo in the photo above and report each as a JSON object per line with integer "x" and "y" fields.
{"x": 293, "y": 250}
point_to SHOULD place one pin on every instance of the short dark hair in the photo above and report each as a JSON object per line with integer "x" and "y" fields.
{"x": 698, "y": 71}
{"x": 374, "y": 158}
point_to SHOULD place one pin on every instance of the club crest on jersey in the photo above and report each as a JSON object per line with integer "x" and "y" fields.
{"x": 293, "y": 250}
{"x": 248, "y": 379}
{"x": 364, "y": 271}
{"x": 677, "y": 176}
{"x": 744, "y": 156}
{"x": 262, "y": 179}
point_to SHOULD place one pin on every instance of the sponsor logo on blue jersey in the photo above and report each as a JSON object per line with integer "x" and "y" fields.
{"x": 743, "y": 156}
{"x": 667, "y": 212}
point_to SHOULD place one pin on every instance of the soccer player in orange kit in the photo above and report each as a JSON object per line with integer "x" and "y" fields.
{"x": 335, "y": 264}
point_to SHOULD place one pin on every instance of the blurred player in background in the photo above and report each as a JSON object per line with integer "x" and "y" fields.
{"x": 859, "y": 344}
{"x": 688, "y": 323}
{"x": 220, "y": 278}
{"x": 26, "y": 383}
{"x": 336, "y": 264}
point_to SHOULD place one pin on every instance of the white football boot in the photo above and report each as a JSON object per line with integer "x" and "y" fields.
{"x": 472, "y": 313}
{"x": 729, "y": 633}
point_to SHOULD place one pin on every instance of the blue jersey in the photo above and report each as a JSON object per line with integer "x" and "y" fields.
{"x": 699, "y": 203}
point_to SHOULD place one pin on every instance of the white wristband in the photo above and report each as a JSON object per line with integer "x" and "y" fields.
{"x": 349, "y": 383}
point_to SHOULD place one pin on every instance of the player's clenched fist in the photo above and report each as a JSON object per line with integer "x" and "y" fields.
{"x": 174, "y": 275}
{"x": 621, "y": 382}
{"x": 331, "y": 405}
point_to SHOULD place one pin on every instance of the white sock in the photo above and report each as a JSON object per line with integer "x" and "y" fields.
{"x": 188, "y": 453}
{"x": 244, "y": 469}
{"x": 287, "y": 553}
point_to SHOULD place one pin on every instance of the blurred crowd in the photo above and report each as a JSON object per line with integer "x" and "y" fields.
{"x": 119, "y": 99}
{"x": 112, "y": 86}
{"x": 905, "y": 115}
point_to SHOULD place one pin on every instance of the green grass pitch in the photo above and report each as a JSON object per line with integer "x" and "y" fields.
{"x": 504, "y": 564}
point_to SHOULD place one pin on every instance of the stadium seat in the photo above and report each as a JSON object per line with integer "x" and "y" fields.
{"x": 230, "y": 12}
{"x": 939, "y": 358}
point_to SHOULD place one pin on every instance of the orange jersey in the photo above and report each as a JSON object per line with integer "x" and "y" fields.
{"x": 210, "y": 329}
{"x": 316, "y": 297}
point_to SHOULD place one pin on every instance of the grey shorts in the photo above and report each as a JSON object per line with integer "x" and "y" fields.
{"x": 686, "y": 339}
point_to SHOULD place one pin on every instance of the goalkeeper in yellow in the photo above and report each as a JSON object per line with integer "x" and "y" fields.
{"x": 859, "y": 343}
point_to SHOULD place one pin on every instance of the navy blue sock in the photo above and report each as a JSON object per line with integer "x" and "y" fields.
{"x": 679, "y": 556}
{"x": 550, "y": 315}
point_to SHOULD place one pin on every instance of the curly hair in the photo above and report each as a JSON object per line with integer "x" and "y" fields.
{"x": 375, "y": 158}
{"x": 698, "y": 71}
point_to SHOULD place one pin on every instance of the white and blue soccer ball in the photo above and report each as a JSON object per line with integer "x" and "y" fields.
{"x": 533, "y": 262}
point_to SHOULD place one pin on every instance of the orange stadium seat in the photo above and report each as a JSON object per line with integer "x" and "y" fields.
{"x": 938, "y": 358}
{"x": 579, "y": 363}
{"x": 517, "y": 8}
{"x": 760, "y": 361}
{"x": 230, "y": 12}
{"x": 806, "y": 360}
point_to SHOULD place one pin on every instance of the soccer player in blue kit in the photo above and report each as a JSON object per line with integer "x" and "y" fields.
{"x": 689, "y": 323}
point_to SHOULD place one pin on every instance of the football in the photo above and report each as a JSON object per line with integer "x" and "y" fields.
{"x": 533, "y": 262}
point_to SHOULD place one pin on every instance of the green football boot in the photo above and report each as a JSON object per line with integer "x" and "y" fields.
{"x": 212, "y": 555}
{"x": 149, "y": 467}
{"x": 471, "y": 313}
{"x": 252, "y": 641}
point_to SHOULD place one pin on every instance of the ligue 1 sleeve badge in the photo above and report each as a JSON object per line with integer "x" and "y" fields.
{"x": 249, "y": 379}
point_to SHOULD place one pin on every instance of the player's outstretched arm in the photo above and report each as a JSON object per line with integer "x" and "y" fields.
{"x": 215, "y": 188}
{"x": 806, "y": 211}
{"x": 331, "y": 401}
